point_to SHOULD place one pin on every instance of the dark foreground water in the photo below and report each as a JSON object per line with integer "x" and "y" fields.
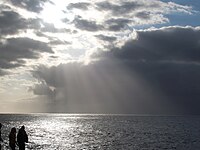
{"x": 109, "y": 132}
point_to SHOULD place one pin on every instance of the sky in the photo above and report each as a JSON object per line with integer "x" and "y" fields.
{"x": 98, "y": 56}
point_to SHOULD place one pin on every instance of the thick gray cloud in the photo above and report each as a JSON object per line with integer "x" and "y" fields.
{"x": 12, "y": 23}
{"x": 124, "y": 8}
{"x": 112, "y": 24}
{"x": 167, "y": 44}
{"x": 13, "y": 50}
{"x": 100, "y": 87}
{"x": 49, "y": 27}
{"x": 2, "y": 73}
{"x": 81, "y": 5}
{"x": 42, "y": 89}
{"x": 155, "y": 73}
{"x": 169, "y": 60}
{"x": 106, "y": 38}
{"x": 59, "y": 42}
{"x": 123, "y": 15}
{"x": 179, "y": 82}
{"x": 119, "y": 9}
{"x": 47, "y": 74}
{"x": 87, "y": 25}
{"x": 30, "y": 5}
{"x": 143, "y": 15}
{"x": 7, "y": 64}
{"x": 117, "y": 24}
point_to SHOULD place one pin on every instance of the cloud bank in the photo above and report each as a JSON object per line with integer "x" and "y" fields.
{"x": 22, "y": 21}
{"x": 156, "y": 72}
{"x": 135, "y": 63}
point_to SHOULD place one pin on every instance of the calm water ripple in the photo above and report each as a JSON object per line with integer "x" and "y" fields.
{"x": 110, "y": 132}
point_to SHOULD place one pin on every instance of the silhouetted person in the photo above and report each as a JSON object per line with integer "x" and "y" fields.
{"x": 22, "y": 138}
{"x": 12, "y": 138}
{"x": 1, "y": 140}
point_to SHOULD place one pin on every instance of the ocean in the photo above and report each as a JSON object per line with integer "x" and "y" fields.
{"x": 105, "y": 132}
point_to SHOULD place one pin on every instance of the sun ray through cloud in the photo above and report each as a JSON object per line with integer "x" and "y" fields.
{"x": 102, "y": 51}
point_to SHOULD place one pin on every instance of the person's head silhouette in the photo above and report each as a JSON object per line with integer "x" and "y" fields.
{"x": 13, "y": 130}
{"x": 23, "y": 127}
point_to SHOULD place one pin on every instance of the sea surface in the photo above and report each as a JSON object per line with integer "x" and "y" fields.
{"x": 105, "y": 132}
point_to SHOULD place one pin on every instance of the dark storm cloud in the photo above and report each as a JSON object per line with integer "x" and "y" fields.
{"x": 15, "y": 49}
{"x": 169, "y": 60}
{"x": 87, "y": 25}
{"x": 100, "y": 87}
{"x": 30, "y": 5}
{"x": 179, "y": 82}
{"x": 106, "y": 38}
{"x": 81, "y": 5}
{"x": 163, "y": 62}
{"x": 167, "y": 44}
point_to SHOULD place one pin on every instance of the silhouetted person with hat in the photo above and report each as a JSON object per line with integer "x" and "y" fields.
{"x": 22, "y": 138}
{"x": 12, "y": 138}
{"x": 1, "y": 140}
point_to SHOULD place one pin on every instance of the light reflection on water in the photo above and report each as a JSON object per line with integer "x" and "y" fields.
{"x": 53, "y": 131}
{"x": 60, "y": 131}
